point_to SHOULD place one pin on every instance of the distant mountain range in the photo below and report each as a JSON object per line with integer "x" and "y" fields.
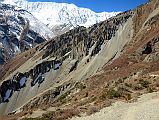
{"x": 53, "y": 14}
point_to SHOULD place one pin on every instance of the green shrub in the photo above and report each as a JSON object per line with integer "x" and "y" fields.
{"x": 113, "y": 94}
{"x": 128, "y": 85}
{"x": 138, "y": 87}
{"x": 48, "y": 116}
{"x": 144, "y": 83}
{"x": 103, "y": 96}
{"x": 128, "y": 96}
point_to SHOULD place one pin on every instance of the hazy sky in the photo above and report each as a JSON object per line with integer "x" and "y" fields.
{"x": 103, "y": 5}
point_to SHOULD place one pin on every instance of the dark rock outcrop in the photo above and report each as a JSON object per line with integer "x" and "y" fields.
{"x": 19, "y": 80}
{"x": 79, "y": 40}
{"x": 15, "y": 84}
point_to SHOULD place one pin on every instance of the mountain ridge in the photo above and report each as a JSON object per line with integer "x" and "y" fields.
{"x": 62, "y": 13}
{"x": 19, "y": 31}
{"x": 85, "y": 70}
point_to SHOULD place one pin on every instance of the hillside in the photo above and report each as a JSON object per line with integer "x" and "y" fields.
{"x": 104, "y": 68}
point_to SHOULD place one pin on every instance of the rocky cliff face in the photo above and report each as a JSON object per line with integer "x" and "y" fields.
{"x": 19, "y": 32}
{"x": 85, "y": 69}
{"x": 18, "y": 81}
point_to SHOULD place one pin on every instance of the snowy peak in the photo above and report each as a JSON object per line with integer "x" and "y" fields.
{"x": 19, "y": 31}
{"x": 52, "y": 13}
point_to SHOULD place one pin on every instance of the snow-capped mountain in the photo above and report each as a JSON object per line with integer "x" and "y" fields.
{"x": 52, "y": 13}
{"x": 19, "y": 31}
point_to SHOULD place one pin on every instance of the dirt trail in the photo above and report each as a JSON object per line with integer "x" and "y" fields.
{"x": 146, "y": 108}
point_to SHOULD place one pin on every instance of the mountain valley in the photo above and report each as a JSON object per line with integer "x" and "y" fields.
{"x": 105, "y": 71}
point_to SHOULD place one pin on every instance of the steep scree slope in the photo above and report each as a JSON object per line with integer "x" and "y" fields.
{"x": 73, "y": 56}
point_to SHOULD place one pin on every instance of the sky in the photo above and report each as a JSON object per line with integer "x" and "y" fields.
{"x": 102, "y": 5}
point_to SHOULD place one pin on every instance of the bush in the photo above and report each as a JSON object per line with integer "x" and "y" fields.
{"x": 128, "y": 96}
{"x": 67, "y": 113}
{"x": 92, "y": 110}
{"x": 103, "y": 96}
{"x": 128, "y": 85}
{"x": 144, "y": 83}
{"x": 80, "y": 85}
{"x": 48, "y": 116}
{"x": 138, "y": 87}
{"x": 151, "y": 89}
{"x": 113, "y": 94}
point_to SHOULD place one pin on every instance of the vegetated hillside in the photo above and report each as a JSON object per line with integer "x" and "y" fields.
{"x": 84, "y": 70}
